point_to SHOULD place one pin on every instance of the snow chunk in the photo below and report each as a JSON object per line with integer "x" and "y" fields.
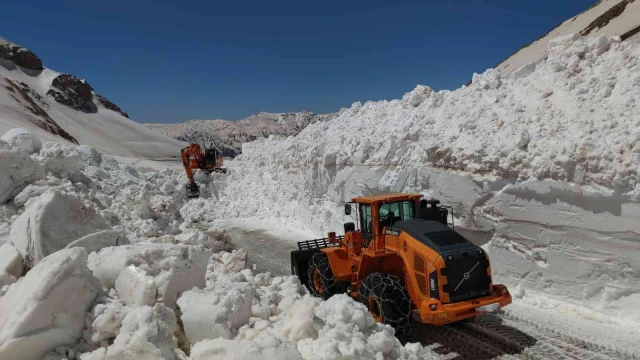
{"x": 417, "y": 96}
{"x": 234, "y": 261}
{"x": 490, "y": 79}
{"x": 17, "y": 170}
{"x": 105, "y": 320}
{"x": 135, "y": 287}
{"x": 216, "y": 240}
{"x": 101, "y": 239}
{"x": 350, "y": 332}
{"x": 46, "y": 309}
{"x": 62, "y": 160}
{"x": 242, "y": 350}
{"x": 524, "y": 139}
{"x": 10, "y": 261}
{"x": 217, "y": 311}
{"x": 24, "y": 139}
{"x": 147, "y": 333}
{"x": 174, "y": 268}
{"x": 52, "y": 222}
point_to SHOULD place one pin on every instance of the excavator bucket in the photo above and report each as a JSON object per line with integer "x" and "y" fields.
{"x": 193, "y": 191}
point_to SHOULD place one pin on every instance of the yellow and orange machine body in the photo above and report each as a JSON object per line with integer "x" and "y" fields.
{"x": 401, "y": 254}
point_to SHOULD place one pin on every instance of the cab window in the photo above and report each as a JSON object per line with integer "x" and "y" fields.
{"x": 393, "y": 212}
{"x": 366, "y": 223}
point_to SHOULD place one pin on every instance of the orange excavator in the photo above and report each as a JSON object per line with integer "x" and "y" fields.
{"x": 193, "y": 158}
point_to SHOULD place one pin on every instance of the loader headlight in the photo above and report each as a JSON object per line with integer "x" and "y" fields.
{"x": 433, "y": 307}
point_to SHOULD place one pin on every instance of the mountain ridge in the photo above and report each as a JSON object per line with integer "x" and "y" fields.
{"x": 228, "y": 135}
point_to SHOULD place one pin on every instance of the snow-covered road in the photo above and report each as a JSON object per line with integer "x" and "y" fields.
{"x": 518, "y": 332}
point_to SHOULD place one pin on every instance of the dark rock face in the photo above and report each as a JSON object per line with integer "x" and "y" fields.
{"x": 32, "y": 101}
{"x": 20, "y": 56}
{"x": 73, "y": 92}
{"x": 111, "y": 106}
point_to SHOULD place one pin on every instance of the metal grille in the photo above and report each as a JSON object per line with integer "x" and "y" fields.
{"x": 317, "y": 243}
{"x": 467, "y": 278}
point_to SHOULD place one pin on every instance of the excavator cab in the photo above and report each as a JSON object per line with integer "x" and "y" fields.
{"x": 210, "y": 158}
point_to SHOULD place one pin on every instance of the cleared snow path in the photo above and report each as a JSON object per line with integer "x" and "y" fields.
{"x": 268, "y": 242}
{"x": 526, "y": 329}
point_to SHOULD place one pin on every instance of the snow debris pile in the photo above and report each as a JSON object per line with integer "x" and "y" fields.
{"x": 548, "y": 157}
{"x": 46, "y": 308}
{"x": 171, "y": 269}
{"x": 17, "y": 170}
{"x": 24, "y": 139}
{"x": 53, "y": 221}
{"x": 97, "y": 263}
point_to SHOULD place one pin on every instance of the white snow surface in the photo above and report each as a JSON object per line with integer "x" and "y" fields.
{"x": 616, "y": 26}
{"x": 46, "y": 308}
{"x": 549, "y": 159}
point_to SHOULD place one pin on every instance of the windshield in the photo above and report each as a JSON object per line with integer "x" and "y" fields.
{"x": 393, "y": 212}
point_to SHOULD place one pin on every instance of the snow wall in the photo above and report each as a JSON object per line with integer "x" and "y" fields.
{"x": 547, "y": 158}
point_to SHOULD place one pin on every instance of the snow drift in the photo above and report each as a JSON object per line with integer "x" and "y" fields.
{"x": 547, "y": 157}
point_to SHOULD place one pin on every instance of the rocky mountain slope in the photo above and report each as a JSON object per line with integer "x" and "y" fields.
{"x": 65, "y": 109}
{"x": 228, "y": 136}
{"x": 605, "y": 17}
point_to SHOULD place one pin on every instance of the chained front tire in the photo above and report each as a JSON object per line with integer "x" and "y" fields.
{"x": 321, "y": 280}
{"x": 388, "y": 302}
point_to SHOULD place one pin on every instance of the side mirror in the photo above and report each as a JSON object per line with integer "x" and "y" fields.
{"x": 347, "y": 209}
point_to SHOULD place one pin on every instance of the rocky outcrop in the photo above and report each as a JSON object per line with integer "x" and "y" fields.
{"x": 73, "y": 92}
{"x": 111, "y": 106}
{"x": 79, "y": 95}
{"x": 19, "y": 55}
{"x": 32, "y": 101}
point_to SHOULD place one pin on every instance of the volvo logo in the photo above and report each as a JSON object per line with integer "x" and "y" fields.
{"x": 392, "y": 232}
{"x": 433, "y": 285}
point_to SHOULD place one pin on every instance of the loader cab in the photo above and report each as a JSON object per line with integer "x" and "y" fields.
{"x": 374, "y": 213}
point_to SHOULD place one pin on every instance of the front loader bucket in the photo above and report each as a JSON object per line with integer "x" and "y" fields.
{"x": 193, "y": 191}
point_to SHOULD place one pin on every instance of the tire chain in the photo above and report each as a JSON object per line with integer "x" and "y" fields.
{"x": 382, "y": 285}
{"x": 320, "y": 261}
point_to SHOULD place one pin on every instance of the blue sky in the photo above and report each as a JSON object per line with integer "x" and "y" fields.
{"x": 171, "y": 61}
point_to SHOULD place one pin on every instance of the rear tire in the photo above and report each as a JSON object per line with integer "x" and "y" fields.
{"x": 321, "y": 280}
{"x": 386, "y": 298}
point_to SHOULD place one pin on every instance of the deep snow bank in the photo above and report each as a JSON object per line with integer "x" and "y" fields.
{"x": 548, "y": 157}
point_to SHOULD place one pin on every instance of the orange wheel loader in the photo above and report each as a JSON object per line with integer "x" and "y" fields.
{"x": 193, "y": 158}
{"x": 404, "y": 262}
